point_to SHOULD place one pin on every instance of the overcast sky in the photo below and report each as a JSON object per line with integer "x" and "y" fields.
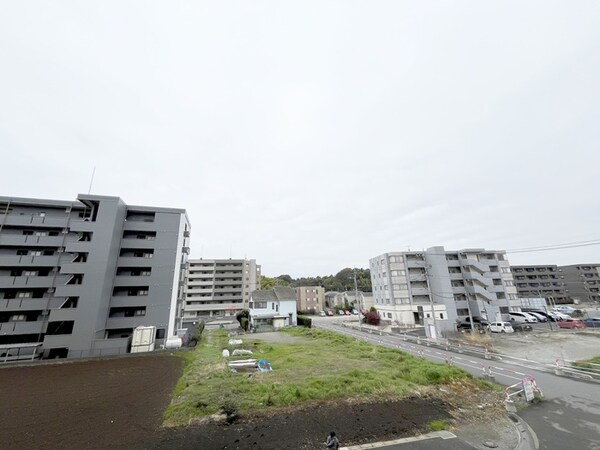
{"x": 312, "y": 136}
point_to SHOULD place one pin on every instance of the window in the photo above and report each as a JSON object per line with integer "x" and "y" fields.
{"x": 24, "y": 294}
{"x": 396, "y": 273}
{"x": 507, "y": 270}
{"x": 509, "y": 283}
{"x": 18, "y": 318}
{"x": 160, "y": 333}
{"x": 35, "y": 253}
{"x": 30, "y": 273}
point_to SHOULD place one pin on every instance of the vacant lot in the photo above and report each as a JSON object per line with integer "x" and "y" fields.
{"x": 112, "y": 403}
{"x": 320, "y": 381}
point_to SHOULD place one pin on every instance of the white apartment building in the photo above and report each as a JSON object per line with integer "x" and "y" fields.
{"x": 219, "y": 287}
{"x": 408, "y": 286}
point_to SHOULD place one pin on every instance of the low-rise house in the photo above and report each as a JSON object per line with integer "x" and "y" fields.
{"x": 341, "y": 299}
{"x": 273, "y": 309}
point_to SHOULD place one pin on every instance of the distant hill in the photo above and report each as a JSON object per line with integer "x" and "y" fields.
{"x": 341, "y": 281}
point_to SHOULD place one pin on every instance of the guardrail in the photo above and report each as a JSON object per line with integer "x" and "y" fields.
{"x": 567, "y": 368}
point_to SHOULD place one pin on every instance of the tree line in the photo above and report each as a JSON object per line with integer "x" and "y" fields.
{"x": 341, "y": 281}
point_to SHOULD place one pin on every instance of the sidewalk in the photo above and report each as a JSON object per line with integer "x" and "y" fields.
{"x": 508, "y": 433}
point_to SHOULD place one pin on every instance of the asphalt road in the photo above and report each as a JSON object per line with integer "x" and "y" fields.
{"x": 569, "y": 418}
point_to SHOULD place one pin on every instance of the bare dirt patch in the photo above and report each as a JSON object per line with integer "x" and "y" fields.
{"x": 110, "y": 403}
{"x": 354, "y": 421}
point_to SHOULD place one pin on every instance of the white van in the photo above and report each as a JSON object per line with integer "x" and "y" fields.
{"x": 501, "y": 327}
{"x": 521, "y": 317}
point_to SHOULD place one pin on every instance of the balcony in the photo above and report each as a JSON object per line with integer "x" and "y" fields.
{"x": 22, "y": 327}
{"x": 59, "y": 315}
{"x": 15, "y": 304}
{"x": 33, "y": 220}
{"x": 33, "y": 281}
{"x": 113, "y": 323}
{"x": 133, "y": 225}
{"x": 129, "y": 301}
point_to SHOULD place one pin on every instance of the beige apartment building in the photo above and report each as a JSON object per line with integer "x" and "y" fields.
{"x": 219, "y": 287}
{"x": 310, "y": 298}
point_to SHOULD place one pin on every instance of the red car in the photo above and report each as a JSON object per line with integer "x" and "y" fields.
{"x": 571, "y": 323}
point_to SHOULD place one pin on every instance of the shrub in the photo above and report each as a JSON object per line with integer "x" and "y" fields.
{"x": 243, "y": 313}
{"x": 244, "y": 323}
{"x": 372, "y": 309}
{"x": 438, "y": 425}
{"x": 305, "y": 321}
{"x": 372, "y": 318}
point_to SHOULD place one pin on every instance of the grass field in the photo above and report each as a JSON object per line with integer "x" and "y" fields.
{"x": 320, "y": 366}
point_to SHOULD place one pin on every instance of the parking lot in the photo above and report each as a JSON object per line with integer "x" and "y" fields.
{"x": 544, "y": 345}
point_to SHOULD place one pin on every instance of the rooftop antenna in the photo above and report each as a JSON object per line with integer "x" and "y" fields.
{"x": 92, "y": 180}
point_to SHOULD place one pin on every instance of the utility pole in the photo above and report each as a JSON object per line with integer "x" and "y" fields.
{"x": 356, "y": 296}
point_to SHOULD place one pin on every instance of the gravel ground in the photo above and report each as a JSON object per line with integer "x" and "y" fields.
{"x": 545, "y": 346}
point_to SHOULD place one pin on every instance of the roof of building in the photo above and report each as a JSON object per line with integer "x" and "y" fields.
{"x": 285, "y": 293}
{"x": 278, "y": 293}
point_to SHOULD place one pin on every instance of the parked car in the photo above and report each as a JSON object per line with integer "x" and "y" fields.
{"x": 347, "y": 313}
{"x": 538, "y": 316}
{"x": 322, "y": 314}
{"x": 478, "y": 320}
{"x": 501, "y": 327}
{"x": 521, "y": 327}
{"x": 564, "y": 309}
{"x": 571, "y": 324}
{"x": 329, "y": 312}
{"x": 521, "y": 317}
{"x": 593, "y": 322}
{"x": 464, "y": 327}
{"x": 540, "y": 313}
{"x": 557, "y": 317}
{"x": 354, "y": 312}
{"x": 341, "y": 312}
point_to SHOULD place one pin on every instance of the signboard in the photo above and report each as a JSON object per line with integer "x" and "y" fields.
{"x": 528, "y": 389}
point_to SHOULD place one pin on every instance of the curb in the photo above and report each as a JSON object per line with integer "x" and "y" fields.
{"x": 528, "y": 440}
{"x": 422, "y": 437}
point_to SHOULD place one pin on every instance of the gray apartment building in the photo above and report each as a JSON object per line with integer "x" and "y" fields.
{"x": 76, "y": 277}
{"x": 540, "y": 281}
{"x": 582, "y": 282}
{"x": 219, "y": 287}
{"x": 445, "y": 286}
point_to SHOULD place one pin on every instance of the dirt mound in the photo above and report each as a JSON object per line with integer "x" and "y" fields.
{"x": 307, "y": 428}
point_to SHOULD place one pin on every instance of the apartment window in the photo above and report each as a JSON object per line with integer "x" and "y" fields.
{"x": 404, "y": 300}
{"x": 30, "y": 273}
{"x": 18, "y": 318}
{"x": 507, "y": 270}
{"x": 35, "y": 253}
{"x": 464, "y": 311}
{"x": 24, "y": 294}
{"x": 509, "y": 283}
{"x": 396, "y": 273}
